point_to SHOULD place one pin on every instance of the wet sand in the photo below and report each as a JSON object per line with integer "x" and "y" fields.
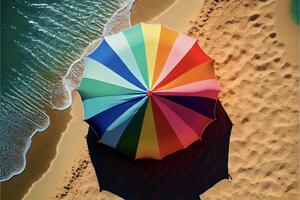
{"x": 41, "y": 152}
{"x": 146, "y": 10}
{"x": 179, "y": 15}
{"x": 71, "y": 146}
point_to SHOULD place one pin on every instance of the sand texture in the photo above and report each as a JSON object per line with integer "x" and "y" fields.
{"x": 260, "y": 94}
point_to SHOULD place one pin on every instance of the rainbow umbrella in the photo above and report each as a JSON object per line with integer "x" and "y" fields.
{"x": 149, "y": 91}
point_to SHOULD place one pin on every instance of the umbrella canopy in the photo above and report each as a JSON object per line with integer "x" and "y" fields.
{"x": 149, "y": 91}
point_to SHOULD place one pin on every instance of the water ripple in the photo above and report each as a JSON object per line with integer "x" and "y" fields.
{"x": 42, "y": 41}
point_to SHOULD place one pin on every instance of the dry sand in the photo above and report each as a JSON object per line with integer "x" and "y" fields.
{"x": 260, "y": 94}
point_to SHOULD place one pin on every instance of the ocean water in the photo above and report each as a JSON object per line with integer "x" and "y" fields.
{"x": 42, "y": 43}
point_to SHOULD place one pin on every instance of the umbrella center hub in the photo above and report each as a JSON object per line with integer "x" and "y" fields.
{"x": 149, "y": 93}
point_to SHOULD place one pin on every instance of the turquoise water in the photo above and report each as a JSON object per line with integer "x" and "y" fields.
{"x": 39, "y": 42}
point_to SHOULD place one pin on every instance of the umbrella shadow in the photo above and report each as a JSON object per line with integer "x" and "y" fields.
{"x": 183, "y": 175}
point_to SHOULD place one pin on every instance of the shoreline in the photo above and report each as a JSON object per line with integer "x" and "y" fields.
{"x": 41, "y": 148}
{"x": 67, "y": 148}
{"x": 60, "y": 120}
{"x": 31, "y": 172}
{"x": 63, "y": 170}
{"x": 64, "y": 100}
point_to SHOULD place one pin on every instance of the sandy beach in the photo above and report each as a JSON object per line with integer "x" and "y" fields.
{"x": 257, "y": 66}
{"x": 260, "y": 93}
